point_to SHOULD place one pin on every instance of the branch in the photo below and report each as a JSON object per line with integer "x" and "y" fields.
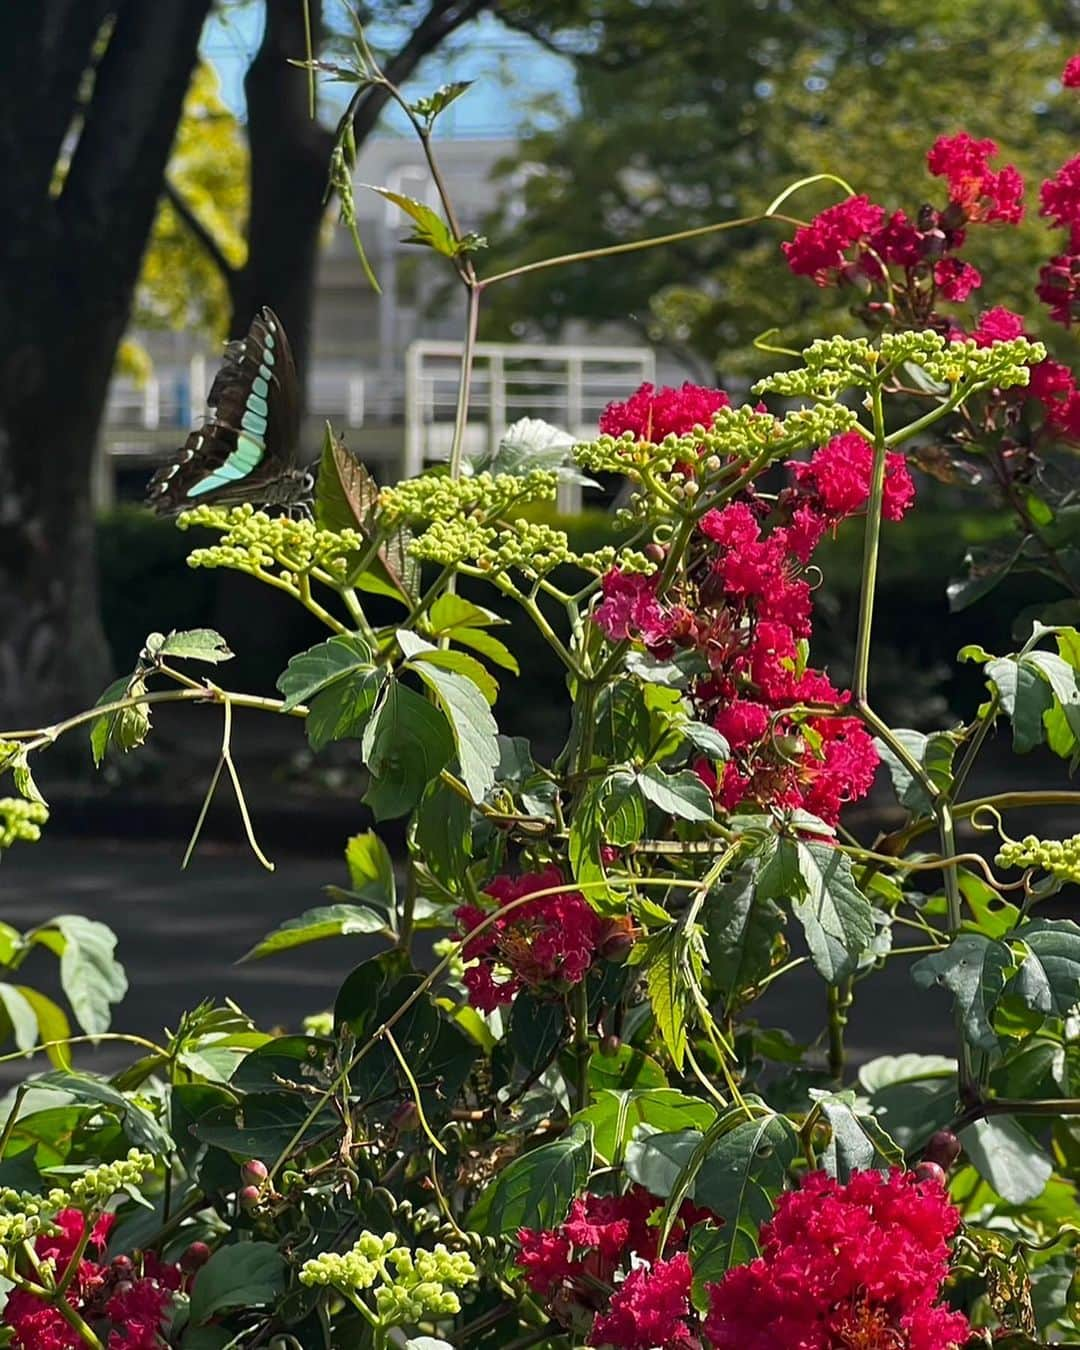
{"x": 203, "y": 236}
{"x": 442, "y": 19}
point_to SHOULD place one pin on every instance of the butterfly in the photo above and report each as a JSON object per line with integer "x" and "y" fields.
{"x": 245, "y": 451}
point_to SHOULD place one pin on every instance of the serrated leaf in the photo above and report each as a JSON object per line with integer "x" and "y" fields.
{"x": 934, "y": 752}
{"x": 342, "y": 710}
{"x": 417, "y": 651}
{"x": 741, "y": 931}
{"x": 443, "y": 834}
{"x": 615, "y": 1115}
{"x": 244, "y": 1275}
{"x": 429, "y": 228}
{"x": 1025, "y": 697}
{"x": 706, "y": 738}
{"x": 622, "y": 813}
{"x": 475, "y": 732}
{"x": 535, "y": 1190}
{"x": 856, "y": 1143}
{"x": 313, "y": 925}
{"x": 665, "y": 980}
{"x": 406, "y": 744}
{"x": 681, "y": 794}
{"x": 837, "y": 918}
{"x": 196, "y": 644}
{"x": 90, "y": 975}
{"x": 125, "y": 729}
{"x": 140, "y": 1126}
{"x": 431, "y": 105}
{"x": 973, "y": 969}
{"x": 321, "y": 666}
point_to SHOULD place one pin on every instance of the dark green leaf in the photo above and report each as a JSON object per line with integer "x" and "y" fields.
{"x": 836, "y": 917}
{"x": 681, "y": 794}
{"x": 1049, "y": 979}
{"x": 443, "y": 833}
{"x": 935, "y": 754}
{"x": 263, "y": 1124}
{"x": 1025, "y": 697}
{"x": 325, "y": 921}
{"x": 973, "y": 969}
{"x": 856, "y": 1143}
{"x": 741, "y": 933}
{"x": 321, "y": 666}
{"x": 622, "y": 813}
{"x": 537, "y": 1029}
{"x": 140, "y": 1126}
{"x": 245, "y": 1275}
{"x": 535, "y": 1190}
{"x": 706, "y": 738}
{"x": 406, "y": 744}
{"x": 343, "y": 709}
{"x": 657, "y": 1159}
{"x": 616, "y": 1114}
{"x": 419, "y": 651}
{"x": 125, "y": 729}
{"x": 627, "y": 1068}
{"x": 912, "y": 1095}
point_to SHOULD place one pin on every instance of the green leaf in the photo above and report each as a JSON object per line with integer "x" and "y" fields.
{"x": 628, "y": 1068}
{"x": 52, "y": 1025}
{"x": 1049, "y": 979}
{"x": 406, "y": 744}
{"x": 836, "y": 917}
{"x": 125, "y": 729}
{"x": 706, "y": 738}
{"x": 476, "y": 734}
{"x": 856, "y": 1143}
{"x": 196, "y": 644}
{"x": 464, "y": 623}
{"x": 486, "y": 645}
{"x": 912, "y": 1095}
{"x": 245, "y": 1275}
{"x": 344, "y": 709}
{"x": 429, "y": 228}
{"x": 742, "y": 930}
{"x": 739, "y": 1178}
{"x": 313, "y": 925}
{"x": 616, "y": 1113}
{"x": 535, "y": 1190}
{"x": 537, "y": 1029}
{"x": 345, "y": 493}
{"x": 140, "y": 1126}
{"x": 21, "y": 1016}
{"x": 1007, "y": 1157}
{"x": 371, "y": 869}
{"x": 417, "y": 650}
{"x": 91, "y": 976}
{"x": 429, "y": 107}
{"x": 681, "y": 794}
{"x": 321, "y": 666}
{"x": 621, "y": 810}
{"x": 443, "y": 834}
{"x": 973, "y": 969}
{"x": 1025, "y": 697}
{"x": 665, "y": 979}
{"x": 935, "y": 754}
{"x": 657, "y": 1159}
{"x": 263, "y": 1124}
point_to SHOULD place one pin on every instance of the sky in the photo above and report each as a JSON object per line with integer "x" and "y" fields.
{"x": 518, "y": 83}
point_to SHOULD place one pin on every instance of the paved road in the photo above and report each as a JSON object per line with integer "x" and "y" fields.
{"x": 180, "y": 934}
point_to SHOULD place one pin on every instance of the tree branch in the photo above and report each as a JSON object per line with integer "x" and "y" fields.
{"x": 442, "y": 19}
{"x": 203, "y": 236}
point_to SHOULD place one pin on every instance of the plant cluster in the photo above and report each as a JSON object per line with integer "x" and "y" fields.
{"x": 575, "y": 1126}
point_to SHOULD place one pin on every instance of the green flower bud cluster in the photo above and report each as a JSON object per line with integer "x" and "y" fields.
{"x": 437, "y": 497}
{"x": 623, "y": 454}
{"x": 531, "y": 546}
{"x": 410, "y": 1286}
{"x": 1001, "y": 365}
{"x": 24, "y": 1215}
{"x": 830, "y": 365}
{"x": 98, "y": 1184}
{"x": 450, "y": 542}
{"x": 255, "y": 542}
{"x": 1059, "y": 857}
{"x": 20, "y": 819}
{"x": 601, "y": 560}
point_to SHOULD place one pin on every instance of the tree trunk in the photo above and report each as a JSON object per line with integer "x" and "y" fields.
{"x": 70, "y": 263}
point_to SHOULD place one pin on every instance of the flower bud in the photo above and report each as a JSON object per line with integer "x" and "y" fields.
{"x": 930, "y": 1171}
{"x": 405, "y": 1117}
{"x": 254, "y": 1172}
{"x": 609, "y": 1046}
{"x": 196, "y": 1256}
{"x": 617, "y": 948}
{"x": 943, "y": 1149}
{"x": 249, "y": 1198}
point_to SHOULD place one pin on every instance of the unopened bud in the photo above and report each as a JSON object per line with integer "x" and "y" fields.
{"x": 609, "y": 1046}
{"x": 249, "y": 1197}
{"x": 254, "y": 1172}
{"x": 930, "y": 1171}
{"x": 195, "y": 1257}
{"x": 943, "y": 1149}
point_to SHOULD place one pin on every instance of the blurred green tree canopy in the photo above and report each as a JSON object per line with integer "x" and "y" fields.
{"x": 693, "y": 113}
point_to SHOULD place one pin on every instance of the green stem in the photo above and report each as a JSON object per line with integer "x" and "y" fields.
{"x": 871, "y": 544}
{"x": 581, "y": 1042}
{"x": 839, "y": 1002}
{"x": 457, "y": 445}
{"x": 954, "y": 902}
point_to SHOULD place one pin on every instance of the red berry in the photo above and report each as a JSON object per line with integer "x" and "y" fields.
{"x": 943, "y": 1148}
{"x": 249, "y": 1197}
{"x": 254, "y": 1172}
{"x": 930, "y": 1171}
{"x": 195, "y": 1257}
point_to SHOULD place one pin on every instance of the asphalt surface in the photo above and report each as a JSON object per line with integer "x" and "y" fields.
{"x": 181, "y": 933}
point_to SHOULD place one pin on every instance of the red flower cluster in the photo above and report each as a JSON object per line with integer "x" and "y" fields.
{"x": 544, "y": 944}
{"x": 856, "y": 242}
{"x": 651, "y": 414}
{"x": 746, "y": 608}
{"x": 1070, "y": 76}
{"x": 859, "y": 1265}
{"x": 126, "y": 1308}
{"x": 1059, "y": 279}
{"x": 602, "y": 1263}
{"x": 979, "y": 192}
{"x": 1051, "y": 384}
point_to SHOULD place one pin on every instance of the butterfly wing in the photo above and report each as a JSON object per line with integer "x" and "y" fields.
{"x": 246, "y": 449}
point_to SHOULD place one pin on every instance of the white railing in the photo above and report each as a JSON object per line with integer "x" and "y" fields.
{"x": 566, "y": 385}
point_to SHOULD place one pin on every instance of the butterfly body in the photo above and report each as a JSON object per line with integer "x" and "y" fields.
{"x": 246, "y": 449}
